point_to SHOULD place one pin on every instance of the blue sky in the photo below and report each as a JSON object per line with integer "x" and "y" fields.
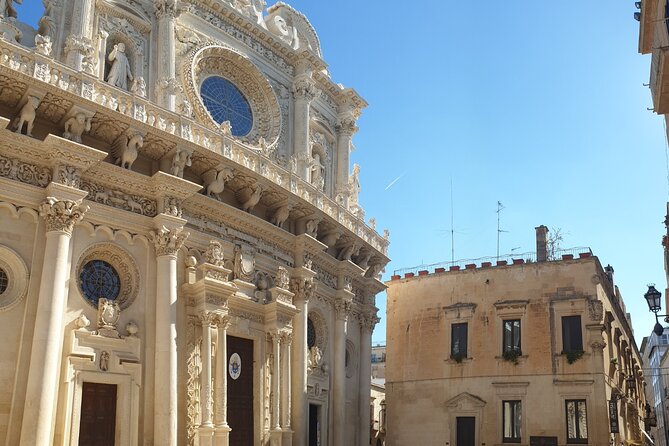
{"x": 540, "y": 105}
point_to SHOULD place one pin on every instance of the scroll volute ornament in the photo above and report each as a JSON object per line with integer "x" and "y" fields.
{"x": 62, "y": 215}
{"x": 168, "y": 241}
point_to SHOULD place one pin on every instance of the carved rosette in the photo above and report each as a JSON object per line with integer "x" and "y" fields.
{"x": 168, "y": 241}
{"x": 214, "y": 253}
{"x": 303, "y": 287}
{"x": 343, "y": 308}
{"x": 62, "y": 215}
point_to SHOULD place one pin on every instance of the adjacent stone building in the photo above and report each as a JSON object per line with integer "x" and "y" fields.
{"x": 653, "y": 353}
{"x": 183, "y": 256}
{"x": 535, "y": 349}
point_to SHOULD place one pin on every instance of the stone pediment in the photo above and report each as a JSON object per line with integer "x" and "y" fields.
{"x": 465, "y": 401}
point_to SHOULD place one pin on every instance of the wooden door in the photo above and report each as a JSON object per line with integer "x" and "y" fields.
{"x": 98, "y": 415}
{"x": 466, "y": 427}
{"x": 240, "y": 392}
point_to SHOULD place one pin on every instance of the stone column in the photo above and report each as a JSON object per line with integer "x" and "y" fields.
{"x": 167, "y": 243}
{"x": 166, "y": 85}
{"x": 222, "y": 430}
{"x": 303, "y": 289}
{"x": 276, "y": 381}
{"x": 367, "y": 324}
{"x": 304, "y": 91}
{"x": 287, "y": 340}
{"x": 345, "y": 129}
{"x": 342, "y": 311}
{"x": 43, "y": 374}
{"x": 78, "y": 45}
{"x": 206, "y": 430}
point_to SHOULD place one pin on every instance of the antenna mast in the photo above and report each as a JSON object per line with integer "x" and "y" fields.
{"x": 452, "y": 227}
{"x": 499, "y": 231}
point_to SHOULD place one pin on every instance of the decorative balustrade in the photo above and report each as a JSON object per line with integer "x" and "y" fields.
{"x": 50, "y": 71}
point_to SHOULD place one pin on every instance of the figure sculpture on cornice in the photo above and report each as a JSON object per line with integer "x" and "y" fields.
{"x": 354, "y": 191}
{"x": 120, "y": 72}
{"x": 7, "y": 9}
{"x": 75, "y": 126}
{"x": 139, "y": 87}
{"x": 317, "y": 172}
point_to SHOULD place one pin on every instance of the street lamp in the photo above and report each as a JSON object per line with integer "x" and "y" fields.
{"x": 652, "y": 297}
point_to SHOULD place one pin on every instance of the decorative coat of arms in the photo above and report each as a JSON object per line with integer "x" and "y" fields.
{"x": 235, "y": 366}
{"x": 108, "y": 314}
{"x": 245, "y": 263}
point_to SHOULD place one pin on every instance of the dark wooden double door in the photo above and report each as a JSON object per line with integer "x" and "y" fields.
{"x": 466, "y": 431}
{"x": 240, "y": 393}
{"x": 98, "y": 415}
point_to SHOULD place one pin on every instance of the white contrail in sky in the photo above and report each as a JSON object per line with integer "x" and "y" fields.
{"x": 392, "y": 183}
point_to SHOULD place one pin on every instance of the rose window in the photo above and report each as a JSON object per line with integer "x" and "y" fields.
{"x": 225, "y": 102}
{"x": 4, "y": 281}
{"x": 99, "y": 279}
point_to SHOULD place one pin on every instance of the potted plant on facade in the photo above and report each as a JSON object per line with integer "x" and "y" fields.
{"x": 512, "y": 355}
{"x": 573, "y": 355}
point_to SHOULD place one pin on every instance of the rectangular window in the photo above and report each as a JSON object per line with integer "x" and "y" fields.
{"x": 459, "y": 340}
{"x": 577, "y": 421}
{"x": 572, "y": 339}
{"x": 511, "y": 336}
{"x": 511, "y": 413}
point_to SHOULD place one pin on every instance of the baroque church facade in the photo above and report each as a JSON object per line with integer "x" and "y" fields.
{"x": 183, "y": 257}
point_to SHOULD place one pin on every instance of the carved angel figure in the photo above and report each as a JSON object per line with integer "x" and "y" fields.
{"x": 126, "y": 149}
{"x": 27, "y": 116}
{"x": 317, "y": 172}
{"x": 120, "y": 73}
{"x": 315, "y": 358}
{"x": 253, "y": 200}
{"x": 7, "y": 9}
{"x": 216, "y": 187}
{"x": 182, "y": 158}
{"x": 75, "y": 126}
{"x": 139, "y": 87}
{"x": 43, "y": 44}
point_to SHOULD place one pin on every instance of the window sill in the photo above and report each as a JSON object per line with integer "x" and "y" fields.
{"x": 462, "y": 362}
{"x": 521, "y": 360}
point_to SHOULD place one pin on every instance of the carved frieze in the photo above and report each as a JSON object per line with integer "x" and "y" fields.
{"x": 120, "y": 200}
{"x": 24, "y": 172}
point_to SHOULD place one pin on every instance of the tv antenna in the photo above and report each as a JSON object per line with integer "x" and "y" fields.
{"x": 452, "y": 227}
{"x": 500, "y": 206}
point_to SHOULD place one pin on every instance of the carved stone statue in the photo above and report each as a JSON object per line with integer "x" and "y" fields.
{"x": 217, "y": 185}
{"x": 278, "y": 26}
{"x": 281, "y": 215}
{"x": 108, "y": 315}
{"x": 226, "y": 127}
{"x": 126, "y": 148}
{"x": 315, "y": 359}
{"x": 317, "y": 172}
{"x": 354, "y": 191}
{"x": 244, "y": 263}
{"x": 254, "y": 199}
{"x": 7, "y": 9}
{"x": 104, "y": 361}
{"x": 312, "y": 228}
{"x": 182, "y": 158}
{"x": 214, "y": 253}
{"x": 139, "y": 87}
{"x": 282, "y": 279}
{"x": 262, "y": 285}
{"x": 120, "y": 72}
{"x": 27, "y": 116}
{"x": 75, "y": 126}
{"x": 43, "y": 44}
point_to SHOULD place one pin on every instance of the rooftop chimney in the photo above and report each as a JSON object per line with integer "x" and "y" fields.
{"x": 542, "y": 243}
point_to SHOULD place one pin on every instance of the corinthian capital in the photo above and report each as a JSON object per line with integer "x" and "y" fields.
{"x": 305, "y": 88}
{"x": 168, "y": 241}
{"x": 165, "y": 8}
{"x": 346, "y": 124}
{"x": 303, "y": 287}
{"x": 62, "y": 215}
{"x": 343, "y": 308}
{"x": 369, "y": 321}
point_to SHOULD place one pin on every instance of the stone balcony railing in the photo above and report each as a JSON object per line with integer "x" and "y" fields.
{"x": 91, "y": 88}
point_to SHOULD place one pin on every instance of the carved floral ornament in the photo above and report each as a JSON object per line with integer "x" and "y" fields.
{"x": 219, "y": 61}
{"x": 62, "y": 215}
{"x": 124, "y": 265}
{"x": 168, "y": 241}
{"x": 303, "y": 287}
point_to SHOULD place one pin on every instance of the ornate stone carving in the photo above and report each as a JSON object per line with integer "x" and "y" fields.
{"x": 312, "y": 228}
{"x": 24, "y": 172}
{"x": 193, "y": 369}
{"x": 304, "y": 88}
{"x": 26, "y": 116}
{"x": 139, "y": 87}
{"x": 75, "y": 126}
{"x": 253, "y": 199}
{"x": 69, "y": 175}
{"x": 325, "y": 277}
{"x": 181, "y": 159}
{"x": 214, "y": 253}
{"x": 168, "y": 241}
{"x": 315, "y": 358}
{"x": 598, "y": 345}
{"x": 287, "y": 34}
{"x": 214, "y": 181}
{"x": 83, "y": 46}
{"x": 348, "y": 251}
{"x": 165, "y": 8}
{"x": 348, "y": 283}
{"x": 217, "y": 300}
{"x": 43, "y": 44}
{"x": 126, "y": 148}
{"x": 595, "y": 310}
{"x": 354, "y": 192}
{"x": 109, "y": 312}
{"x": 172, "y": 206}
{"x": 62, "y": 215}
{"x": 244, "y": 263}
{"x": 369, "y": 321}
{"x": 282, "y": 279}
{"x": 263, "y": 283}
{"x": 343, "y": 308}
{"x": 131, "y": 329}
{"x": 281, "y": 214}
{"x": 104, "y": 361}
{"x": 121, "y": 200}
{"x": 303, "y": 287}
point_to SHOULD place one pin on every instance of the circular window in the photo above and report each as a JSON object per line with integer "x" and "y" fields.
{"x": 311, "y": 333}
{"x": 99, "y": 279}
{"x": 225, "y": 102}
{"x": 4, "y": 281}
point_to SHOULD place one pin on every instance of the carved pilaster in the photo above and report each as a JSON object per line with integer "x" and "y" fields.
{"x": 62, "y": 215}
{"x": 168, "y": 241}
{"x": 303, "y": 287}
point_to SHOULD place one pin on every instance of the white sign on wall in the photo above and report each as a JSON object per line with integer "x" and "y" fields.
{"x": 235, "y": 366}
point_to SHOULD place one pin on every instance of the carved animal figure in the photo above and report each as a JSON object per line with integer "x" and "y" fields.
{"x": 134, "y": 206}
{"x": 102, "y": 196}
{"x": 253, "y": 200}
{"x": 312, "y": 228}
{"x": 126, "y": 148}
{"x": 27, "y": 116}
{"x": 76, "y": 126}
{"x": 348, "y": 251}
{"x": 182, "y": 158}
{"x": 216, "y": 187}
{"x": 281, "y": 215}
